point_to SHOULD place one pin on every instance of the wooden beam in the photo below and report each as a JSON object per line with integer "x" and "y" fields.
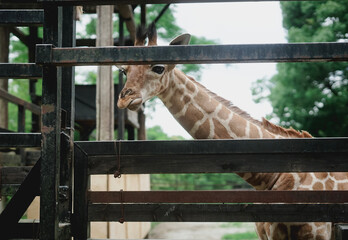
{"x": 232, "y": 196}
{"x": 219, "y": 156}
{"x": 126, "y": 12}
{"x": 198, "y": 54}
{"x": 20, "y": 102}
{"x": 219, "y": 212}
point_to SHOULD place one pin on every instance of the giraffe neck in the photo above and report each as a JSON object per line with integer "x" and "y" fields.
{"x": 205, "y": 116}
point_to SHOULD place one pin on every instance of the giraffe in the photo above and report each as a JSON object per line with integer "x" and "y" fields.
{"x": 205, "y": 115}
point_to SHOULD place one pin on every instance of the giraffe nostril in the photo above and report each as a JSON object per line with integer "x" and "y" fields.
{"x": 125, "y": 93}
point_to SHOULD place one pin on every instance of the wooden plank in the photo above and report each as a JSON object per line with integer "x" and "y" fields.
{"x": 219, "y": 212}
{"x": 198, "y": 54}
{"x": 18, "y": 101}
{"x": 20, "y": 70}
{"x": 233, "y": 196}
{"x": 219, "y": 156}
{"x": 20, "y": 140}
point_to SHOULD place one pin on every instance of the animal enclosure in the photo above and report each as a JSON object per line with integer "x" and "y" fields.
{"x": 61, "y": 175}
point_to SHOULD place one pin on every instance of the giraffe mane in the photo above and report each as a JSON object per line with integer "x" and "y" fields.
{"x": 273, "y": 128}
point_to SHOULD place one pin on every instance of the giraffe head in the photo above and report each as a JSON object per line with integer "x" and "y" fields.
{"x": 146, "y": 81}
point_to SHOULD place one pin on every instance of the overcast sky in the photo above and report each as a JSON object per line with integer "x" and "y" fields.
{"x": 229, "y": 23}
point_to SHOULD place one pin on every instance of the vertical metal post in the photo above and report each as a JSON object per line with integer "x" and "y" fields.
{"x": 33, "y": 39}
{"x": 50, "y": 130}
{"x": 21, "y": 119}
{"x": 121, "y": 112}
{"x": 68, "y": 107}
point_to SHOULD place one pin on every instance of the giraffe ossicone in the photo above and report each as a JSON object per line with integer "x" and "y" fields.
{"x": 205, "y": 115}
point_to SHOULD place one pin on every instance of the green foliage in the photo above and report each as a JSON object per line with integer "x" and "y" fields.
{"x": 241, "y": 236}
{"x": 210, "y": 181}
{"x": 311, "y": 96}
{"x": 156, "y": 133}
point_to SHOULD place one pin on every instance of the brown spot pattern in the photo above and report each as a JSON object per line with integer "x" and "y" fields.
{"x": 203, "y": 130}
{"x": 318, "y": 186}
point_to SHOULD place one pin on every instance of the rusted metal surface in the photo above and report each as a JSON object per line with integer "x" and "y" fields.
{"x": 198, "y": 54}
{"x": 233, "y": 196}
{"x": 27, "y": 105}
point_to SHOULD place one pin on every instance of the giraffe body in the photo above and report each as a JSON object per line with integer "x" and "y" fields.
{"x": 204, "y": 115}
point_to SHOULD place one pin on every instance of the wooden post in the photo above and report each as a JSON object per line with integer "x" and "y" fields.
{"x": 104, "y": 106}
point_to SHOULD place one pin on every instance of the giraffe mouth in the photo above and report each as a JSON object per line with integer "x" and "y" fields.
{"x": 135, "y": 104}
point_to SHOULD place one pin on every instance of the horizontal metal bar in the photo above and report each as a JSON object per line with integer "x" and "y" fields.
{"x": 233, "y": 196}
{"x": 18, "y": 101}
{"x": 289, "y": 52}
{"x": 218, "y": 156}
{"x": 20, "y": 140}
{"x": 219, "y": 212}
{"x": 110, "y": 2}
{"x": 20, "y": 71}
{"x": 32, "y": 17}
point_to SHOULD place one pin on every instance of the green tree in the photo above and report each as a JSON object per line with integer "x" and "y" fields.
{"x": 311, "y": 96}
{"x": 156, "y": 133}
{"x": 20, "y": 87}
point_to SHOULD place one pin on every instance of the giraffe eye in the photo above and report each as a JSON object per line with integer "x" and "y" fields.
{"x": 158, "y": 69}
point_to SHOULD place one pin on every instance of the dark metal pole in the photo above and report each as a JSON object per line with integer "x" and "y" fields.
{"x": 68, "y": 107}
{"x": 121, "y": 112}
{"x": 50, "y": 130}
{"x": 33, "y": 39}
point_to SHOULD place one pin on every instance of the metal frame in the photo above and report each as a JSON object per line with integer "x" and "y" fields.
{"x": 63, "y": 159}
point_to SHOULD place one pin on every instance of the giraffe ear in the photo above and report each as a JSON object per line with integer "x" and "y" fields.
{"x": 183, "y": 39}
